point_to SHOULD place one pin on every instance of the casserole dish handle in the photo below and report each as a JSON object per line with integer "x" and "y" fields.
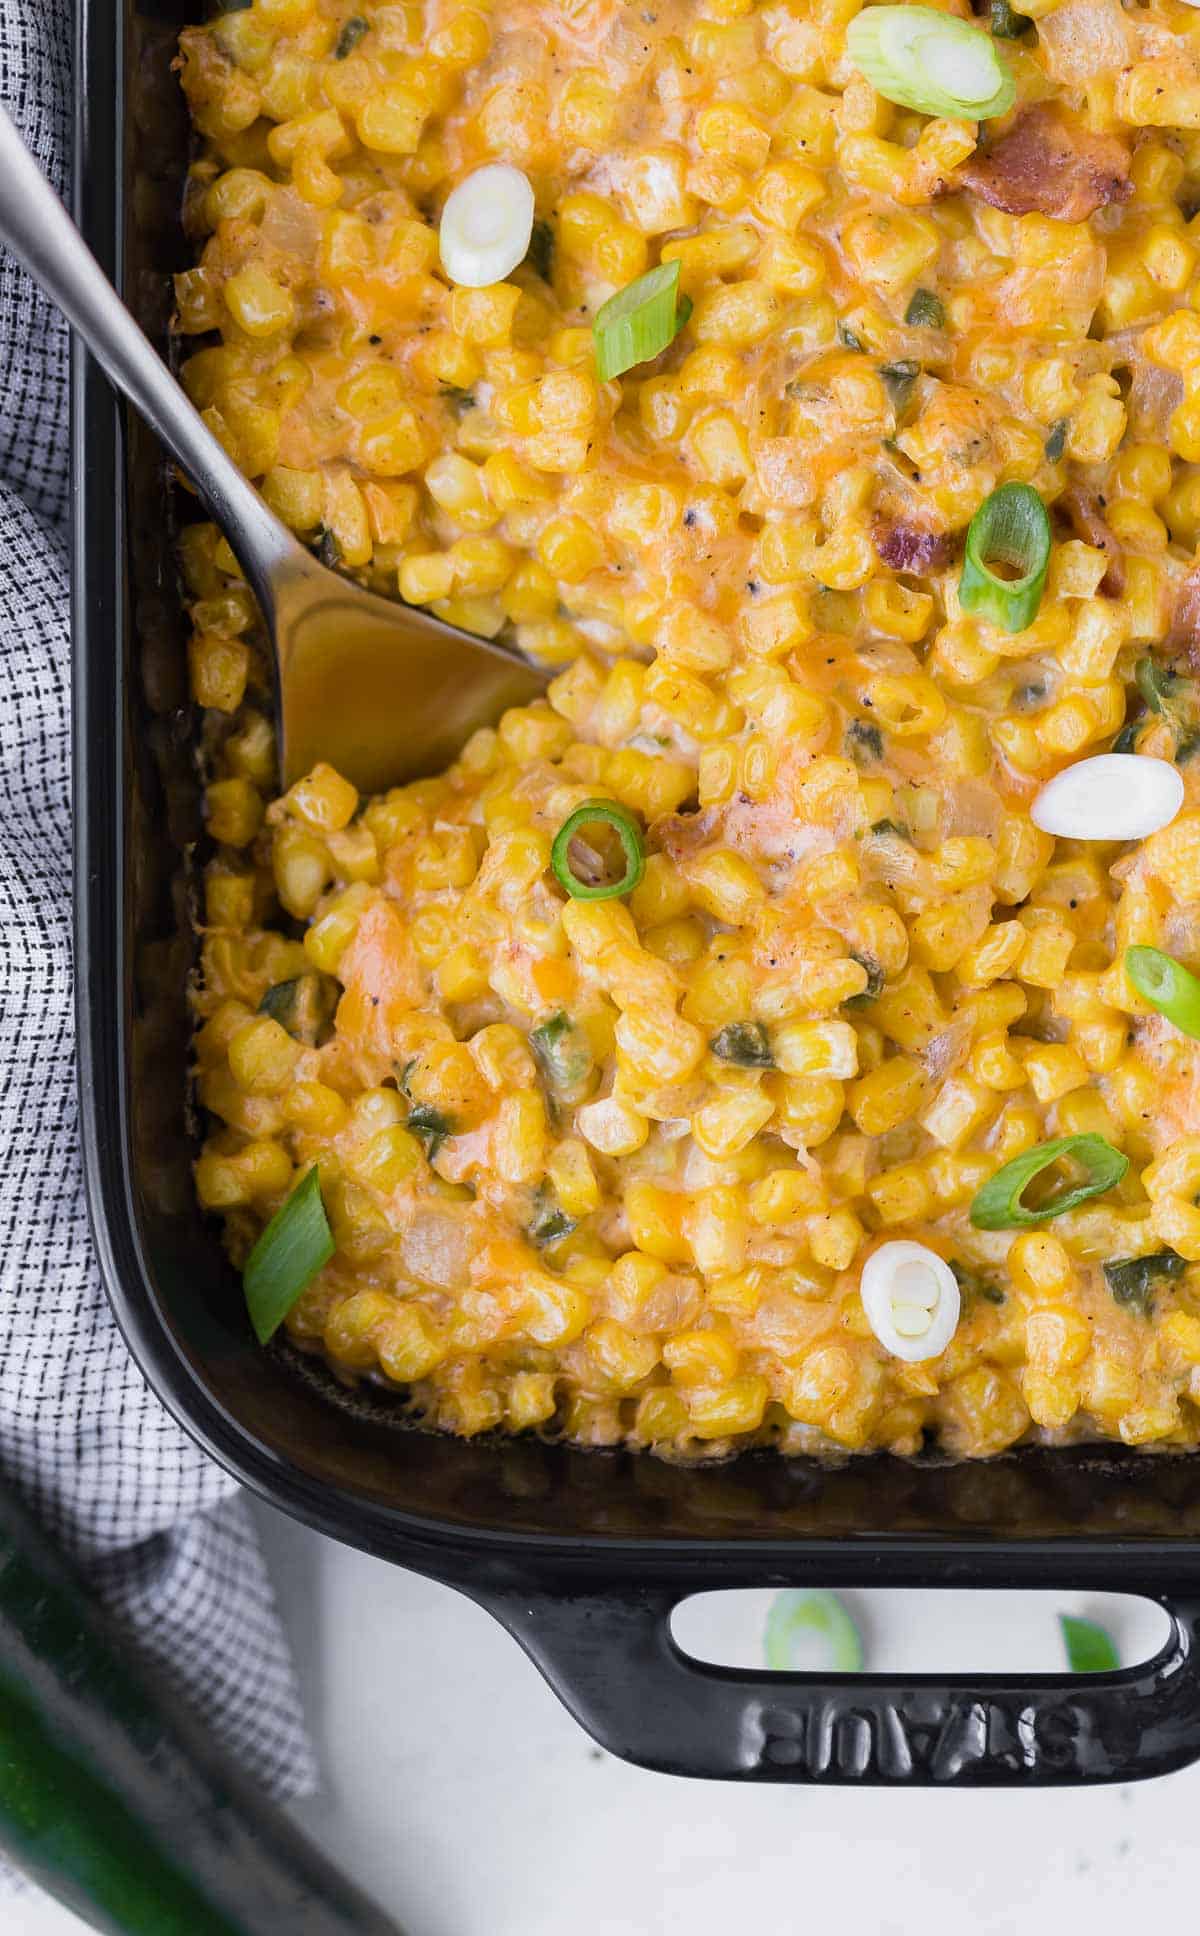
{"x": 611, "y": 1657}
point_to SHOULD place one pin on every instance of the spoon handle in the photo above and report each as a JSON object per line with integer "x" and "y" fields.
{"x": 36, "y": 227}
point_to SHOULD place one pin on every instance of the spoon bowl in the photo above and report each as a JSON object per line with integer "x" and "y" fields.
{"x": 380, "y": 690}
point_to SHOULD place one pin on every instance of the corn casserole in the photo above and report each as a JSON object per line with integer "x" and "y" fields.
{"x": 832, "y": 1080}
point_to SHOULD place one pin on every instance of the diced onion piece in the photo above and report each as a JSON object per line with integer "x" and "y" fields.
{"x": 1114, "y": 796}
{"x": 911, "y": 1299}
{"x": 486, "y": 225}
{"x": 931, "y": 61}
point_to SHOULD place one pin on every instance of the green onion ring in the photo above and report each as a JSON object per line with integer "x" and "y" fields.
{"x": 922, "y": 58}
{"x": 1010, "y": 528}
{"x": 1168, "y": 986}
{"x": 998, "y": 1205}
{"x": 632, "y": 846}
{"x": 794, "y": 1615}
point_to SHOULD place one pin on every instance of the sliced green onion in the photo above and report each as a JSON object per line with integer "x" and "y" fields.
{"x": 1155, "y": 684}
{"x": 925, "y": 311}
{"x": 1090, "y": 1648}
{"x": 639, "y": 321}
{"x": 875, "y": 977}
{"x": 975, "y": 1284}
{"x": 430, "y": 1126}
{"x": 1005, "y": 23}
{"x": 1167, "y": 985}
{"x": 921, "y": 58}
{"x": 349, "y": 37}
{"x": 303, "y": 1006}
{"x": 1010, "y": 528}
{"x": 605, "y": 813}
{"x": 796, "y": 1619}
{"x": 999, "y": 1206}
{"x": 549, "y": 1224}
{"x": 286, "y": 1258}
{"x": 1132, "y": 1279}
{"x": 863, "y": 740}
{"x": 540, "y": 255}
{"x": 900, "y": 380}
{"x": 745, "y": 1043}
{"x": 563, "y": 1051}
{"x": 1056, "y": 442}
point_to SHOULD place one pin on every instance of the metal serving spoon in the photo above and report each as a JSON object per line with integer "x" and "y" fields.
{"x": 381, "y": 691}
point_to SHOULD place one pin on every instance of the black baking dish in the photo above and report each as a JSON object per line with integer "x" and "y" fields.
{"x": 581, "y": 1555}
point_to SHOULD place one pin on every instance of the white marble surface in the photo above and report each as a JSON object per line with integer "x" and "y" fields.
{"x": 467, "y": 1799}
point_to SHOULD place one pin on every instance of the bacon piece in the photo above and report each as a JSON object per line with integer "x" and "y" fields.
{"x": 1184, "y": 632}
{"x": 1047, "y": 163}
{"x": 1087, "y": 520}
{"x": 912, "y": 547}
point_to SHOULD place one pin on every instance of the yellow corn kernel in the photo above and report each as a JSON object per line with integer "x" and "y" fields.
{"x": 783, "y": 1196}
{"x": 258, "y": 304}
{"x": 327, "y": 939}
{"x": 1053, "y": 1068}
{"x": 715, "y": 1228}
{"x": 1176, "y": 1173}
{"x": 262, "y": 1056}
{"x": 218, "y": 669}
{"x": 958, "y": 1111}
{"x": 410, "y": 1343}
{"x": 1047, "y": 950}
{"x": 612, "y": 1127}
{"x": 724, "y": 884}
{"x": 816, "y": 1049}
{"x": 701, "y": 1357}
{"x": 388, "y": 1159}
{"x": 659, "y": 1047}
{"x": 324, "y": 799}
{"x": 234, "y": 809}
{"x": 426, "y": 577}
{"x": 1181, "y": 1332}
{"x": 834, "y": 1238}
{"x": 728, "y": 1123}
{"x": 900, "y": 1195}
{"x": 391, "y": 121}
{"x": 1040, "y": 1266}
{"x": 1176, "y": 1224}
{"x": 315, "y": 1108}
{"x": 810, "y": 1109}
{"x": 655, "y": 1218}
{"x": 519, "y": 1138}
{"x": 736, "y": 1406}
{"x": 888, "y": 1096}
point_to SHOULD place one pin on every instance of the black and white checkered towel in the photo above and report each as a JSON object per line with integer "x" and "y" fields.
{"x": 153, "y": 1522}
